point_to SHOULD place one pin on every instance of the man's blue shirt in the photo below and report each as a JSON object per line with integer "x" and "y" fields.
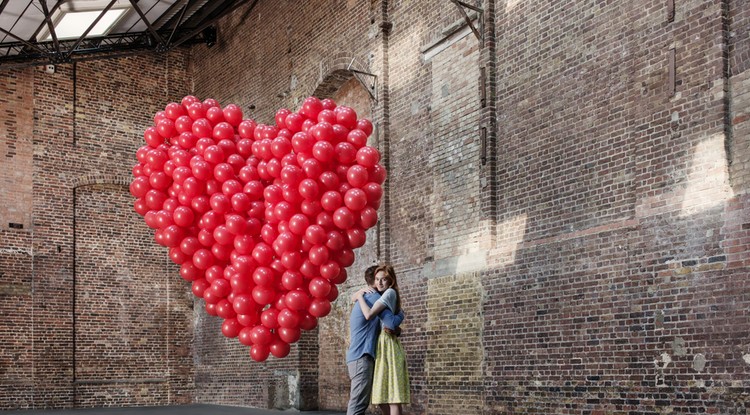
{"x": 363, "y": 333}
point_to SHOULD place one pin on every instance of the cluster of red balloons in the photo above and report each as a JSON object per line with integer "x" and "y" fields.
{"x": 262, "y": 219}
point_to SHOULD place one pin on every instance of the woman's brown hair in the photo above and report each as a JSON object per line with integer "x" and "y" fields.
{"x": 390, "y": 273}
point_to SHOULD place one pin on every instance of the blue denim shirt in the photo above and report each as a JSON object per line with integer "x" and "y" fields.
{"x": 363, "y": 333}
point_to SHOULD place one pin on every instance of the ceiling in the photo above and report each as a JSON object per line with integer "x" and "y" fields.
{"x": 28, "y": 28}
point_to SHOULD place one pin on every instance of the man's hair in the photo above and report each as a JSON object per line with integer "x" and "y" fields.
{"x": 370, "y": 275}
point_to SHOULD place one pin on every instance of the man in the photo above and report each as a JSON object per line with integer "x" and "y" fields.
{"x": 363, "y": 338}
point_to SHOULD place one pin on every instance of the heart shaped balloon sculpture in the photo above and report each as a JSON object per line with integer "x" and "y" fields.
{"x": 262, "y": 219}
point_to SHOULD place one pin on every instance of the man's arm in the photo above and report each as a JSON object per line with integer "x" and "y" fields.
{"x": 390, "y": 320}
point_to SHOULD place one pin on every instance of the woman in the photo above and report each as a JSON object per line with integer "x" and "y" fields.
{"x": 390, "y": 387}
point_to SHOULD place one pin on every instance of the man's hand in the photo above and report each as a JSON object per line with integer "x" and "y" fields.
{"x": 393, "y": 332}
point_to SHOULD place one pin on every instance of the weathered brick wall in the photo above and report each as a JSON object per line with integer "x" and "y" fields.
{"x": 589, "y": 254}
{"x": 96, "y": 314}
{"x": 589, "y": 257}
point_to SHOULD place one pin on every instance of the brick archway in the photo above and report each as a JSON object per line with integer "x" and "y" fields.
{"x": 92, "y": 179}
{"x": 336, "y": 71}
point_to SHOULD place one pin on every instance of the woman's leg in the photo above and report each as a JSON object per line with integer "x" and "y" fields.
{"x": 385, "y": 408}
{"x": 395, "y": 409}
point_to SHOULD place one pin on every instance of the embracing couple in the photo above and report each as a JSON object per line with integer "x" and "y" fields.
{"x": 375, "y": 359}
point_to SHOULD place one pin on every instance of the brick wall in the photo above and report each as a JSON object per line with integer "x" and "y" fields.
{"x": 96, "y": 314}
{"x": 586, "y": 255}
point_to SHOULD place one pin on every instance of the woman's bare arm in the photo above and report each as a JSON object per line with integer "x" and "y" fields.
{"x": 366, "y": 310}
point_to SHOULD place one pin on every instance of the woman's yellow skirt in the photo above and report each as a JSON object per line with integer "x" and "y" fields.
{"x": 391, "y": 378}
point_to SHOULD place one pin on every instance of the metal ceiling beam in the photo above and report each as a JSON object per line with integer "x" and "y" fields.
{"x": 183, "y": 26}
{"x": 48, "y": 19}
{"x": 91, "y": 26}
{"x": 24, "y": 41}
{"x": 151, "y": 29}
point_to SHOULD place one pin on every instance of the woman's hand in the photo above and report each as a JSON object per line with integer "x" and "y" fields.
{"x": 361, "y": 293}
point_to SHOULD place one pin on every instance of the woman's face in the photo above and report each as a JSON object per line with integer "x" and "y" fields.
{"x": 382, "y": 282}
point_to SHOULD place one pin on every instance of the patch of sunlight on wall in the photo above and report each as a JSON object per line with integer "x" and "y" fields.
{"x": 510, "y": 234}
{"x": 510, "y": 5}
{"x": 708, "y": 178}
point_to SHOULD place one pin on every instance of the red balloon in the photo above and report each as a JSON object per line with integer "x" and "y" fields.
{"x": 329, "y": 181}
{"x": 233, "y": 114}
{"x": 315, "y": 234}
{"x": 231, "y": 328}
{"x": 346, "y": 116}
{"x": 311, "y": 107}
{"x": 345, "y": 258}
{"x": 203, "y": 258}
{"x": 190, "y": 272}
{"x": 289, "y": 335}
{"x": 288, "y": 318}
{"x": 173, "y": 235}
{"x": 368, "y": 217}
{"x": 224, "y": 309}
{"x": 331, "y": 200}
{"x": 341, "y": 278}
{"x": 222, "y": 235}
{"x": 365, "y": 125}
{"x": 333, "y": 294}
{"x": 279, "y": 348}
{"x": 165, "y": 128}
{"x": 356, "y": 237}
{"x": 327, "y": 116}
{"x": 244, "y": 304}
{"x": 269, "y": 318}
{"x": 215, "y": 115}
{"x": 330, "y": 270}
{"x": 246, "y": 129}
{"x": 318, "y": 255}
{"x": 199, "y": 287}
{"x": 308, "y": 322}
{"x": 355, "y": 199}
{"x": 357, "y": 138}
{"x": 319, "y": 287}
{"x": 323, "y": 151}
{"x": 368, "y": 156}
{"x": 357, "y": 175}
{"x": 291, "y": 280}
{"x": 320, "y": 307}
{"x": 346, "y": 153}
{"x": 264, "y": 277}
{"x": 155, "y": 199}
{"x": 261, "y": 335}
{"x": 152, "y": 137}
{"x": 343, "y": 218}
{"x": 177, "y": 256}
{"x": 322, "y": 131}
{"x": 140, "y": 186}
{"x": 377, "y": 174}
{"x": 259, "y": 353}
{"x": 312, "y": 168}
{"x": 374, "y": 193}
{"x": 249, "y": 321}
{"x": 263, "y": 295}
{"x": 297, "y": 300}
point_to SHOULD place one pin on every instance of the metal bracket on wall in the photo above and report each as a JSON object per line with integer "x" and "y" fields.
{"x": 359, "y": 74}
{"x": 461, "y": 5}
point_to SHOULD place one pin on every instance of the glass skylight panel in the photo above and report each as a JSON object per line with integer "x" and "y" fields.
{"x": 72, "y": 24}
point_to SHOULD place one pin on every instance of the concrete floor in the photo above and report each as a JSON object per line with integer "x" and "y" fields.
{"x": 169, "y": 410}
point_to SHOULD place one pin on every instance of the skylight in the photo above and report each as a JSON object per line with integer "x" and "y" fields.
{"x": 72, "y": 24}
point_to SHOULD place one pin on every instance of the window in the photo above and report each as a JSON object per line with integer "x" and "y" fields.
{"x": 73, "y": 18}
